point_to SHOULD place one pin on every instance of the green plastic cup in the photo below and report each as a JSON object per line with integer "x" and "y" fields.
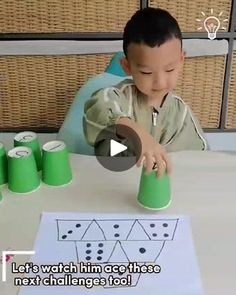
{"x": 23, "y": 176}
{"x": 3, "y": 165}
{"x": 29, "y": 139}
{"x": 154, "y": 193}
{"x": 56, "y": 169}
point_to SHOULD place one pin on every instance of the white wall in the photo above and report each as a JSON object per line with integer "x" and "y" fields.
{"x": 222, "y": 141}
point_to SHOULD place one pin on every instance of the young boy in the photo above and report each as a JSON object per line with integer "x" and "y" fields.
{"x": 152, "y": 43}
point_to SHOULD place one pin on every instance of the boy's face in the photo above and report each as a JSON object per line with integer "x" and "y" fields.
{"x": 154, "y": 70}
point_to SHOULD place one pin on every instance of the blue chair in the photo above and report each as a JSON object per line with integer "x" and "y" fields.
{"x": 71, "y": 131}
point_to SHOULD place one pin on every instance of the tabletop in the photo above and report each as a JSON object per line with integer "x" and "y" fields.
{"x": 203, "y": 187}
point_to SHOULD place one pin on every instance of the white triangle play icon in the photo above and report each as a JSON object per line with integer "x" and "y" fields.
{"x": 116, "y": 147}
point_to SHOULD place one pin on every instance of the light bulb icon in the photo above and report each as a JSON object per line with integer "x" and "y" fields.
{"x": 211, "y": 25}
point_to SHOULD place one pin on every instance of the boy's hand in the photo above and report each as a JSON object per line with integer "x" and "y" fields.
{"x": 152, "y": 152}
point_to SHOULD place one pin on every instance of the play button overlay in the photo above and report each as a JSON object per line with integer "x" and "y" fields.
{"x": 118, "y": 148}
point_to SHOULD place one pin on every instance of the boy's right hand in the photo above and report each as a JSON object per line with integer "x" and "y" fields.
{"x": 152, "y": 152}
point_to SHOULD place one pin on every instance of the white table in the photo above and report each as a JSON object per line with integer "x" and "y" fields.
{"x": 203, "y": 187}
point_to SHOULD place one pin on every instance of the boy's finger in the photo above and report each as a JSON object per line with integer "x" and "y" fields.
{"x": 160, "y": 166}
{"x": 149, "y": 163}
{"x": 162, "y": 169}
{"x": 167, "y": 163}
{"x": 140, "y": 161}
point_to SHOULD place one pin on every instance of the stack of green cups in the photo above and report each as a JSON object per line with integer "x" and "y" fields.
{"x": 56, "y": 169}
{"x": 29, "y": 139}
{"x": 3, "y": 165}
{"x": 22, "y": 170}
{"x": 21, "y": 165}
{"x": 154, "y": 193}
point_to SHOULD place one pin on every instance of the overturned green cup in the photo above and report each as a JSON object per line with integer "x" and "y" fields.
{"x": 29, "y": 139}
{"x": 22, "y": 170}
{"x": 154, "y": 193}
{"x": 56, "y": 168}
{"x": 3, "y": 165}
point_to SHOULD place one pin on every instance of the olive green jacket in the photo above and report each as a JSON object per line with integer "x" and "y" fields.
{"x": 173, "y": 125}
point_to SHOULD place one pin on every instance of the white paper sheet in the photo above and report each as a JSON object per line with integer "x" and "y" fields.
{"x": 112, "y": 239}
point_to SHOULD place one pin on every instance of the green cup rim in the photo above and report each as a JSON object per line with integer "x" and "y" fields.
{"x": 11, "y": 153}
{"x": 26, "y": 193}
{"x": 18, "y": 137}
{"x": 155, "y": 208}
{"x": 51, "y": 146}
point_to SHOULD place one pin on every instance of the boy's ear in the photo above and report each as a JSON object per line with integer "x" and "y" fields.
{"x": 125, "y": 65}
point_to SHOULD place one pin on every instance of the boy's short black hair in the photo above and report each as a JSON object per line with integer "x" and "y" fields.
{"x": 151, "y": 26}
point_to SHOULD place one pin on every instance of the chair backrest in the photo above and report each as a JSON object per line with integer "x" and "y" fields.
{"x": 71, "y": 131}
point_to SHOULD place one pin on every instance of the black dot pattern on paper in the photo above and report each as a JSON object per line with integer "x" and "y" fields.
{"x": 165, "y": 224}
{"x": 116, "y": 235}
{"x": 88, "y": 257}
{"x": 64, "y": 237}
{"x": 154, "y": 235}
{"x": 100, "y": 252}
{"x": 99, "y": 258}
{"x": 166, "y": 235}
{"x": 100, "y": 245}
{"x": 70, "y": 231}
{"x": 152, "y": 225}
{"x": 78, "y": 225}
{"x": 116, "y": 226}
{"x": 142, "y": 250}
{"x": 88, "y": 251}
{"x": 88, "y": 245}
